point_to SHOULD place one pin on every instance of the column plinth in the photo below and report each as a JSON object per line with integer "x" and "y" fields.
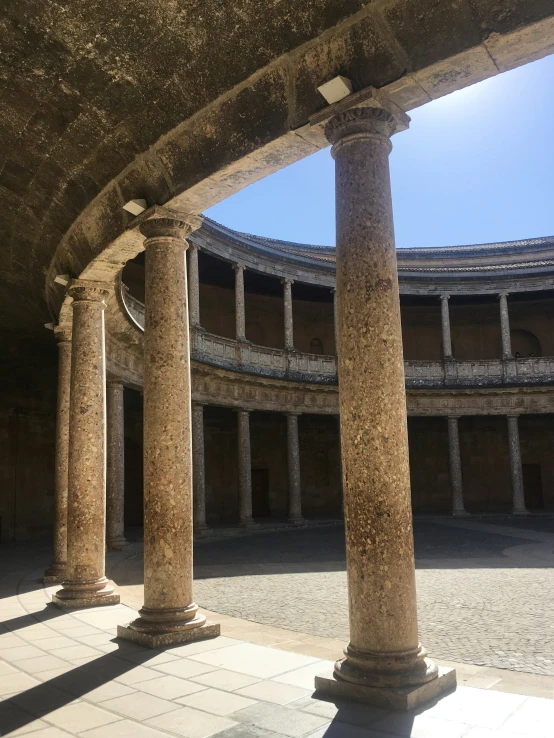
{"x": 115, "y": 478}
{"x": 56, "y": 571}
{"x": 169, "y": 614}
{"x": 384, "y": 662}
{"x": 198, "y": 468}
{"x": 85, "y": 584}
{"x": 293, "y": 468}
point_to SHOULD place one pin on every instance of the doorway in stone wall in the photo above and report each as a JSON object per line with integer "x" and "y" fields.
{"x": 532, "y": 486}
{"x": 260, "y": 493}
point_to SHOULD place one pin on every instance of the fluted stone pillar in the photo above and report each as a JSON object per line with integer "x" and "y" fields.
{"x": 293, "y": 467}
{"x": 516, "y": 471}
{"x": 289, "y": 324}
{"x": 85, "y": 584}
{"x": 505, "y": 326}
{"x": 445, "y": 320}
{"x": 169, "y": 614}
{"x": 194, "y": 286}
{"x": 198, "y": 468}
{"x": 245, "y": 469}
{"x": 115, "y": 479}
{"x": 56, "y": 571}
{"x": 240, "y": 312}
{"x": 384, "y": 662}
{"x": 335, "y": 320}
{"x": 458, "y": 508}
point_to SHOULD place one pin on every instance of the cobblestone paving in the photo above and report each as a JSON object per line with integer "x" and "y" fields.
{"x": 485, "y": 590}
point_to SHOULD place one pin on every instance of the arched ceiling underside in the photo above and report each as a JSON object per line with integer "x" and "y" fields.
{"x": 183, "y": 103}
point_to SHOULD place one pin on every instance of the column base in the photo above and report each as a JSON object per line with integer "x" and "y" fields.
{"x": 460, "y": 514}
{"x": 116, "y": 544}
{"x": 159, "y": 635}
{"x": 247, "y": 523}
{"x": 55, "y": 574}
{"x": 392, "y": 698}
{"x": 520, "y": 512}
{"x": 297, "y": 520}
{"x": 200, "y": 528}
{"x": 78, "y": 595}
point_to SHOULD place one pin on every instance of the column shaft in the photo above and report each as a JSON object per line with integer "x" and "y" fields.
{"x": 518, "y": 493}
{"x": 384, "y": 650}
{"x": 169, "y": 614}
{"x": 198, "y": 468}
{"x": 85, "y": 584}
{"x": 293, "y": 464}
{"x": 115, "y": 480}
{"x": 194, "y": 286}
{"x": 458, "y": 508}
{"x": 445, "y": 320}
{"x": 240, "y": 311}
{"x": 335, "y": 320}
{"x": 289, "y": 325}
{"x": 56, "y": 571}
{"x": 245, "y": 469}
{"x": 505, "y": 326}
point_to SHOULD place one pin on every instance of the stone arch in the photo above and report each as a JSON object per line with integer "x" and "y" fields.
{"x": 316, "y": 346}
{"x": 525, "y": 343}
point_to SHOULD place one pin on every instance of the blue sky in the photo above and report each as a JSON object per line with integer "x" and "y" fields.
{"x": 476, "y": 166}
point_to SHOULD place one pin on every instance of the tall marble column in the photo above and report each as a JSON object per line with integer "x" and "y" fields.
{"x": 85, "y": 584}
{"x": 245, "y": 469}
{"x": 115, "y": 479}
{"x": 505, "y": 326}
{"x": 458, "y": 508}
{"x": 169, "y": 614}
{"x": 56, "y": 571}
{"x": 289, "y": 324}
{"x": 194, "y": 286}
{"x": 516, "y": 471}
{"x": 198, "y": 468}
{"x": 293, "y": 467}
{"x": 384, "y": 662}
{"x": 445, "y": 320}
{"x": 335, "y": 320}
{"x": 240, "y": 312}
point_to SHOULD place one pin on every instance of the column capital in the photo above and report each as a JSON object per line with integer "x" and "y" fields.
{"x": 114, "y": 382}
{"x": 334, "y": 290}
{"x": 445, "y": 296}
{"x": 239, "y": 267}
{"x": 197, "y": 405}
{"x": 502, "y": 294}
{"x": 293, "y": 413}
{"x": 242, "y": 411}
{"x": 287, "y": 280}
{"x": 453, "y": 417}
{"x": 513, "y": 415}
{"x": 159, "y": 222}
{"x": 85, "y": 290}
{"x": 363, "y": 122}
{"x": 194, "y": 247}
{"x": 62, "y": 332}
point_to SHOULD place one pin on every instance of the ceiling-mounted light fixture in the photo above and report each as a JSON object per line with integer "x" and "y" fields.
{"x": 62, "y": 279}
{"x": 135, "y": 207}
{"x": 336, "y": 89}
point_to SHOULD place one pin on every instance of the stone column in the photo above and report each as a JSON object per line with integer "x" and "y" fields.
{"x": 240, "y": 312}
{"x": 194, "y": 286}
{"x": 85, "y": 584}
{"x": 293, "y": 466}
{"x": 505, "y": 326}
{"x": 458, "y": 508}
{"x": 115, "y": 480}
{"x": 198, "y": 468}
{"x": 516, "y": 472}
{"x": 289, "y": 325}
{"x": 445, "y": 319}
{"x": 245, "y": 469}
{"x": 56, "y": 571}
{"x": 385, "y": 663}
{"x": 335, "y": 320}
{"x": 169, "y": 614}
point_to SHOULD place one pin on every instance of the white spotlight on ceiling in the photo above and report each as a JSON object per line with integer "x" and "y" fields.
{"x": 135, "y": 207}
{"x": 336, "y": 89}
{"x": 62, "y": 279}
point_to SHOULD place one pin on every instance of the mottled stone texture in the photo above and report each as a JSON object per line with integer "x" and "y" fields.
{"x": 445, "y": 322}
{"x": 293, "y": 465}
{"x": 194, "y": 286}
{"x": 516, "y": 472}
{"x": 245, "y": 469}
{"x": 85, "y": 584}
{"x": 289, "y": 325}
{"x": 455, "y": 458}
{"x": 56, "y": 571}
{"x": 335, "y": 321}
{"x": 384, "y": 651}
{"x": 240, "y": 314}
{"x": 505, "y": 326}
{"x": 115, "y": 479}
{"x": 169, "y": 610}
{"x": 198, "y": 468}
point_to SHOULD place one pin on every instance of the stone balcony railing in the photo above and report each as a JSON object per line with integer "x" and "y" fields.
{"x": 243, "y": 356}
